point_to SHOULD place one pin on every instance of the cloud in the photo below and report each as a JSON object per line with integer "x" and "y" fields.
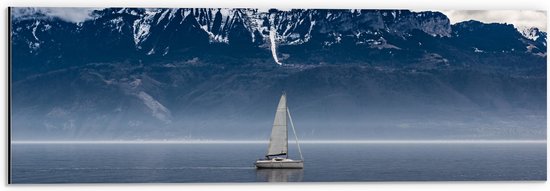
{"x": 72, "y": 14}
{"x": 519, "y": 18}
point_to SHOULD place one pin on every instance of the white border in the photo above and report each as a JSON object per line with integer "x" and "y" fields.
{"x": 282, "y": 4}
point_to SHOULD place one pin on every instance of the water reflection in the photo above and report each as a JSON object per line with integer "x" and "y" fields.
{"x": 279, "y": 175}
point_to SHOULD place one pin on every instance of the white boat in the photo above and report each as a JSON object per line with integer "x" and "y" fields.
{"x": 277, "y": 152}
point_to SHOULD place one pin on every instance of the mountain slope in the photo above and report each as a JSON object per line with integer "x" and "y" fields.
{"x": 200, "y": 73}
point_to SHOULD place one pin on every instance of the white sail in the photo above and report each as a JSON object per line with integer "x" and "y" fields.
{"x": 278, "y": 143}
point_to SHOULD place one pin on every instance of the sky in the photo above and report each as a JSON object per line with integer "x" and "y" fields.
{"x": 69, "y": 14}
{"x": 524, "y": 18}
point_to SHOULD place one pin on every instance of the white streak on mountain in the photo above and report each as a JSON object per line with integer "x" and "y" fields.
{"x": 274, "y": 46}
{"x": 158, "y": 110}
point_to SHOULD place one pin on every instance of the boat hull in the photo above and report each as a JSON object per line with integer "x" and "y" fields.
{"x": 284, "y": 164}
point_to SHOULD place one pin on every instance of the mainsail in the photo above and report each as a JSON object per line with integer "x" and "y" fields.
{"x": 278, "y": 143}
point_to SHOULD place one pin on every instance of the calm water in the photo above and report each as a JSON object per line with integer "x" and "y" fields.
{"x": 172, "y": 163}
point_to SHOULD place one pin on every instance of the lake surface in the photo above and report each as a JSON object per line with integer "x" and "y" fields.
{"x": 177, "y": 163}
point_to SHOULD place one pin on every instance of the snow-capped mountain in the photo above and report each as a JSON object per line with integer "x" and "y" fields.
{"x": 132, "y": 73}
{"x": 250, "y": 26}
{"x": 165, "y": 32}
{"x": 538, "y": 36}
{"x": 152, "y": 29}
{"x": 532, "y": 33}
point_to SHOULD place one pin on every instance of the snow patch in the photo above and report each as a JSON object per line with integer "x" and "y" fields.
{"x": 34, "y": 46}
{"x": 151, "y": 52}
{"x": 142, "y": 26}
{"x": 118, "y": 23}
{"x": 213, "y": 37}
{"x": 477, "y": 50}
{"x": 162, "y": 16}
{"x": 529, "y": 32}
{"x": 34, "y": 30}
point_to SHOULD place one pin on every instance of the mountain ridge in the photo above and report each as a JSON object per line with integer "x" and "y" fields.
{"x": 291, "y": 27}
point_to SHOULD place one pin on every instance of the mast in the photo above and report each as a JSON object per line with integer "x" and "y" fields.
{"x": 295, "y": 136}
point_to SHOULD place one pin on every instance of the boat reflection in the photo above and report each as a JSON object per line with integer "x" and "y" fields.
{"x": 279, "y": 175}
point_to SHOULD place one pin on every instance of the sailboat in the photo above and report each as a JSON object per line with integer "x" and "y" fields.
{"x": 277, "y": 152}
